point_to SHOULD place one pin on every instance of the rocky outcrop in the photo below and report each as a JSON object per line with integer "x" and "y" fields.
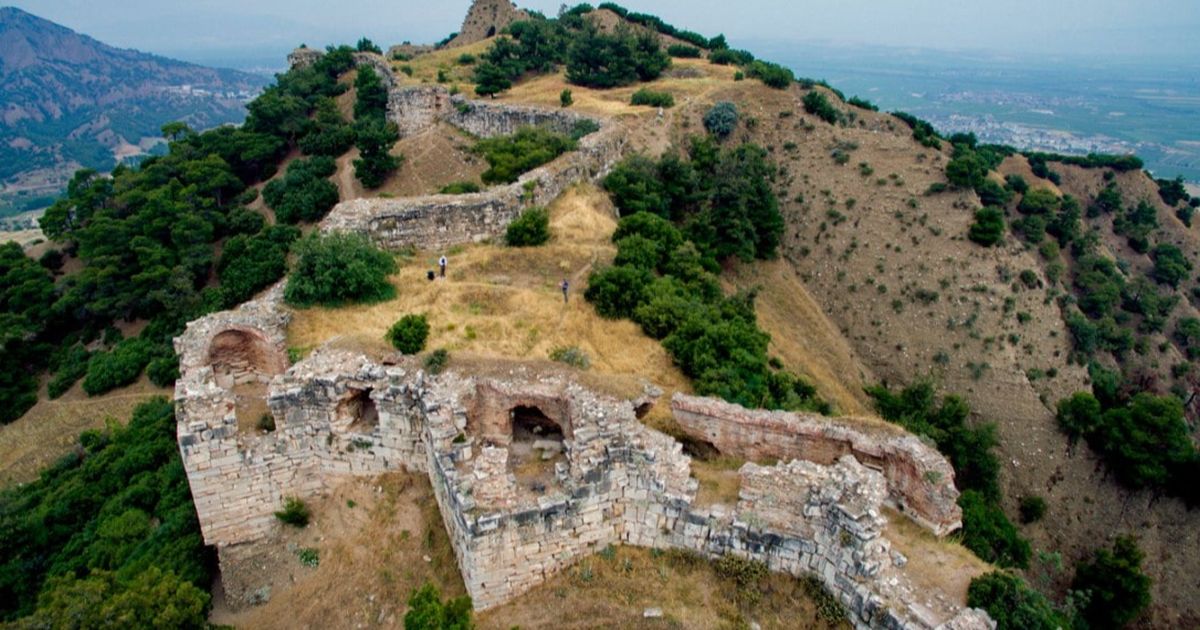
{"x": 485, "y": 19}
{"x": 920, "y": 482}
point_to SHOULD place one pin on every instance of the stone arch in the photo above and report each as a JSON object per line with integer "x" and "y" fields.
{"x": 491, "y": 32}
{"x": 531, "y": 423}
{"x": 245, "y": 355}
{"x": 492, "y": 412}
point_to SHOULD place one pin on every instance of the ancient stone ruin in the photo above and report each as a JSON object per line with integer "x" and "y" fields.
{"x": 531, "y": 473}
{"x": 485, "y": 19}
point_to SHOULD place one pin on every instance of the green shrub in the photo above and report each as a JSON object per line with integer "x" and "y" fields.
{"x": 606, "y": 60}
{"x": 375, "y": 139}
{"x": 409, "y": 333}
{"x": 1170, "y": 265}
{"x": 117, "y": 368}
{"x": 295, "y": 512}
{"x": 372, "y": 95}
{"x": 683, "y": 51}
{"x": 1010, "y": 602}
{"x": 988, "y": 228}
{"x": 818, "y": 105}
{"x": 305, "y": 193}
{"x": 163, "y": 371}
{"x": 617, "y": 291}
{"x": 339, "y": 269}
{"x": 460, "y": 188}
{"x": 771, "y": 74}
{"x": 862, "y": 103}
{"x": 1117, "y": 590}
{"x": 1033, "y": 508}
{"x": 722, "y": 119}
{"x": 437, "y": 360}
{"x": 71, "y": 367}
{"x": 530, "y": 229}
{"x": 466, "y": 59}
{"x": 565, "y": 98}
{"x": 426, "y": 611}
{"x": 508, "y": 157}
{"x": 653, "y": 99}
{"x": 989, "y": 534}
{"x": 572, "y": 356}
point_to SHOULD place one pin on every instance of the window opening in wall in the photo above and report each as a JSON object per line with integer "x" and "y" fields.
{"x": 360, "y": 411}
{"x": 535, "y": 449}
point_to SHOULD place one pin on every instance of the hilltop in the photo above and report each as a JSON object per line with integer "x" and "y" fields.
{"x": 778, "y": 245}
{"x": 71, "y": 102}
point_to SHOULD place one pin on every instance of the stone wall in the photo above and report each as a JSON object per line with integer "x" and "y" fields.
{"x": 920, "y": 481}
{"x": 436, "y": 221}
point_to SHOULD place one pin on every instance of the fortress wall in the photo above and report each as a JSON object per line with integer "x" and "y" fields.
{"x": 919, "y": 479}
{"x": 437, "y": 221}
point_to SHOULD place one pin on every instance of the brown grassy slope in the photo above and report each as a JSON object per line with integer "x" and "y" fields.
{"x": 51, "y": 428}
{"x": 892, "y": 269}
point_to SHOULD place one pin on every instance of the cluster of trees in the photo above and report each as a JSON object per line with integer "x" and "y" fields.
{"x": 373, "y": 135}
{"x": 655, "y": 23}
{"x": 145, "y": 237}
{"x": 923, "y": 131}
{"x": 108, "y": 535}
{"x": 817, "y": 104}
{"x": 510, "y": 156}
{"x": 986, "y": 529}
{"x": 623, "y": 57}
{"x": 681, "y": 217}
{"x": 1142, "y": 438}
{"x": 1108, "y": 591}
{"x": 1118, "y": 163}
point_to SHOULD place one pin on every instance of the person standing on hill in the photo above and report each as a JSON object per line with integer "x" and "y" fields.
{"x": 566, "y": 288}
{"x": 442, "y": 265}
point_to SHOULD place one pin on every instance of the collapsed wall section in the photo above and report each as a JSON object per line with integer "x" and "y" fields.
{"x": 920, "y": 481}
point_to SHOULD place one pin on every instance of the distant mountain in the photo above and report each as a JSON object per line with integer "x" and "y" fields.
{"x": 68, "y": 100}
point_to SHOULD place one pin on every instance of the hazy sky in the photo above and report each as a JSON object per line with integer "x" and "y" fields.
{"x": 217, "y": 28}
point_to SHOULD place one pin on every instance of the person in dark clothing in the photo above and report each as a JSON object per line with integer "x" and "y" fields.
{"x": 566, "y": 288}
{"x": 442, "y": 264}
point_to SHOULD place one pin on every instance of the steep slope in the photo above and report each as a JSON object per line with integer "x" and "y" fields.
{"x": 69, "y": 99}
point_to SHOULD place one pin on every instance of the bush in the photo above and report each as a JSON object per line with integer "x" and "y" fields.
{"x": 572, "y": 356}
{"x": 460, "y": 188}
{"x": 163, "y": 371}
{"x": 565, "y": 98}
{"x": 818, "y": 105}
{"x": 408, "y": 335}
{"x": 863, "y": 103}
{"x": 117, "y": 368}
{"x": 1033, "y": 508}
{"x": 71, "y": 367}
{"x": 305, "y": 192}
{"x": 466, "y": 59}
{"x": 722, "y": 119}
{"x": 989, "y": 534}
{"x": 1010, "y": 602}
{"x": 617, "y": 291}
{"x": 530, "y": 229}
{"x": 683, "y": 51}
{"x": 294, "y": 512}
{"x": 601, "y": 60}
{"x": 653, "y": 99}
{"x": 1117, "y": 590}
{"x": 508, "y": 157}
{"x": 426, "y": 611}
{"x": 375, "y": 139}
{"x": 437, "y": 360}
{"x": 1170, "y": 265}
{"x": 988, "y": 228}
{"x": 339, "y": 269}
{"x": 771, "y": 74}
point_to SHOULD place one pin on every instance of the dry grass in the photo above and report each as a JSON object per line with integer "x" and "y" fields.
{"x": 613, "y": 589}
{"x": 425, "y": 67}
{"x": 505, "y": 303}
{"x": 379, "y": 539}
{"x": 719, "y": 480}
{"x": 51, "y": 428}
{"x": 933, "y": 564}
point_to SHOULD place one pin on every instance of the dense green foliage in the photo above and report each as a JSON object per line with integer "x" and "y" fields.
{"x": 1118, "y": 163}
{"x": 460, "y": 188}
{"x": 923, "y": 132}
{"x": 250, "y": 264}
{"x": 530, "y": 229}
{"x": 721, "y": 119}
{"x": 771, "y": 74}
{"x": 375, "y": 139}
{"x": 26, "y": 299}
{"x": 109, "y": 530}
{"x": 371, "y": 95}
{"x": 338, "y": 269}
{"x": 409, "y": 333}
{"x": 722, "y": 198}
{"x": 862, "y": 103}
{"x": 684, "y": 51}
{"x": 1170, "y": 265}
{"x": 427, "y": 611}
{"x": 510, "y": 156}
{"x": 817, "y": 104}
{"x": 1116, "y": 589}
{"x": 305, "y": 192}
{"x": 1172, "y": 191}
{"x": 662, "y": 275}
{"x": 986, "y": 530}
{"x": 1143, "y": 439}
{"x": 1010, "y": 602}
{"x": 606, "y": 60}
{"x": 653, "y": 99}
{"x": 988, "y": 228}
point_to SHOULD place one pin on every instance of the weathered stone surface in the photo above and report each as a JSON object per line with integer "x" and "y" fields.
{"x": 920, "y": 481}
{"x": 303, "y": 58}
{"x": 485, "y": 19}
